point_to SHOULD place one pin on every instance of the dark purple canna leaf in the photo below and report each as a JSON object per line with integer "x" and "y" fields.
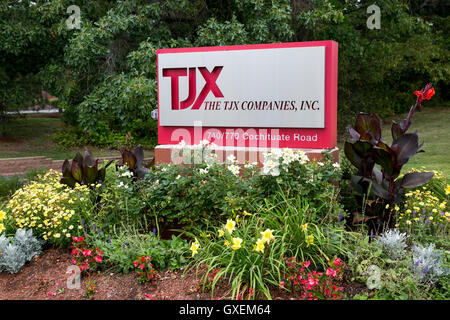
{"x": 355, "y": 135}
{"x": 129, "y": 159}
{"x": 351, "y": 154}
{"x": 66, "y": 169}
{"x": 139, "y": 154}
{"x": 386, "y": 161}
{"x": 368, "y": 123}
{"x": 377, "y": 175}
{"x": 88, "y": 160}
{"x": 90, "y": 173}
{"x": 68, "y": 180}
{"x": 77, "y": 171}
{"x": 405, "y": 147}
{"x": 78, "y": 158}
{"x": 396, "y": 131}
{"x": 416, "y": 179}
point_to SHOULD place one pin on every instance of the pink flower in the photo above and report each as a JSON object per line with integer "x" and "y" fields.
{"x": 337, "y": 262}
{"x": 148, "y": 296}
{"x": 98, "y": 259}
{"x": 74, "y": 261}
{"x": 136, "y": 263}
{"x": 331, "y": 272}
{"x": 282, "y": 284}
{"x": 306, "y": 264}
{"x": 87, "y": 252}
{"x": 51, "y": 293}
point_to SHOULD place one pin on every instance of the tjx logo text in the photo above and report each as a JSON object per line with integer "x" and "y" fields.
{"x": 210, "y": 85}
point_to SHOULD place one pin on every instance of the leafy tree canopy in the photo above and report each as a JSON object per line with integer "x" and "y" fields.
{"x": 104, "y": 74}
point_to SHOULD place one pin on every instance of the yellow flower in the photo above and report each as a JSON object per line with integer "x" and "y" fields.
{"x": 260, "y": 245}
{"x": 230, "y": 226}
{"x": 236, "y": 243}
{"x": 408, "y": 222}
{"x": 221, "y": 233}
{"x": 310, "y": 240}
{"x": 245, "y": 213}
{"x": 267, "y": 235}
{"x": 226, "y": 243}
{"x": 447, "y": 189}
{"x": 305, "y": 227}
{"x": 2, "y": 215}
{"x": 194, "y": 247}
{"x": 396, "y": 208}
{"x": 2, "y": 227}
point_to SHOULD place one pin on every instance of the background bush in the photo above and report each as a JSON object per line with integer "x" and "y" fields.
{"x": 104, "y": 74}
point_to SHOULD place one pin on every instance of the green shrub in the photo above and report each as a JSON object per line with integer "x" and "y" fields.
{"x": 121, "y": 248}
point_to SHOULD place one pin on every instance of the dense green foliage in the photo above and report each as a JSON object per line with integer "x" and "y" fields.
{"x": 104, "y": 74}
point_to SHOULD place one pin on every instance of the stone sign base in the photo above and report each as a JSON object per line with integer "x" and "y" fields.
{"x": 173, "y": 154}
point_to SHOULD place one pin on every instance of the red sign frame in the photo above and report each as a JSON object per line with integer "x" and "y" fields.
{"x": 308, "y": 138}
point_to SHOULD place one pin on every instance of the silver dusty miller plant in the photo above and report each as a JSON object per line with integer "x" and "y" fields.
{"x": 428, "y": 263}
{"x": 23, "y": 248}
{"x": 393, "y": 243}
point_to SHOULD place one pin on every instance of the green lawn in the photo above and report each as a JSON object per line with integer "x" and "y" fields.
{"x": 433, "y": 127}
{"x": 28, "y": 137}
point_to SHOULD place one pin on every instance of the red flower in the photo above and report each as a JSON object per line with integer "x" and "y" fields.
{"x": 98, "y": 259}
{"x": 337, "y": 262}
{"x": 419, "y": 95}
{"x": 87, "y": 252}
{"x": 429, "y": 94}
{"x": 136, "y": 263}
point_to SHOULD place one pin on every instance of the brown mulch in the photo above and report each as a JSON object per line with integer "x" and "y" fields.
{"x": 45, "y": 278}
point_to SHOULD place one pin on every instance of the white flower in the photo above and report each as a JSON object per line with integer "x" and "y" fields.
{"x": 320, "y": 163}
{"x": 128, "y": 174}
{"x": 178, "y": 177}
{"x": 203, "y": 171}
{"x": 270, "y": 167}
{"x": 336, "y": 165}
{"x": 250, "y": 165}
{"x": 122, "y": 185}
{"x": 231, "y": 158}
{"x": 234, "y": 169}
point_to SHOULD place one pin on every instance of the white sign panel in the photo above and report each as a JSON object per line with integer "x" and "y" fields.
{"x": 261, "y": 88}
